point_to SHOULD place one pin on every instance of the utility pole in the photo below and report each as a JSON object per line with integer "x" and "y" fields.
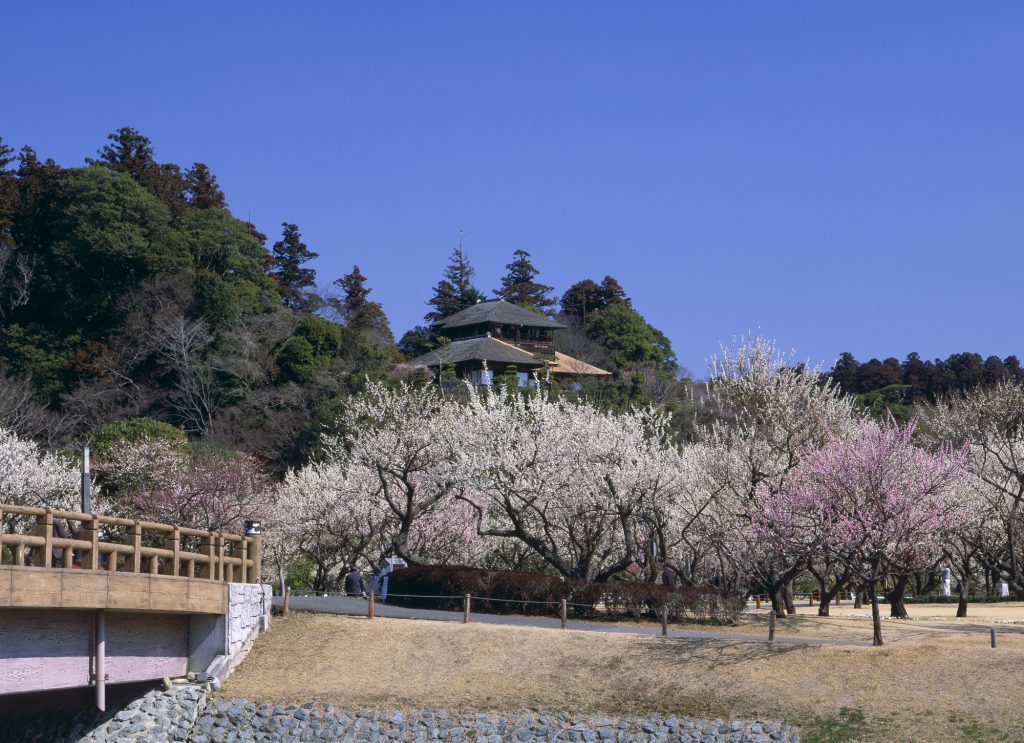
{"x": 86, "y": 482}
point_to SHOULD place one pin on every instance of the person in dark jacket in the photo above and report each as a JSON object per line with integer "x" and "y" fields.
{"x": 668, "y": 577}
{"x": 354, "y": 583}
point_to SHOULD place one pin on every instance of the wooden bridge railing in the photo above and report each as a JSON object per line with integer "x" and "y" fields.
{"x": 125, "y": 545}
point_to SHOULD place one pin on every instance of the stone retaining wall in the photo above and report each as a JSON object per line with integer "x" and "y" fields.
{"x": 187, "y": 715}
{"x": 248, "y": 615}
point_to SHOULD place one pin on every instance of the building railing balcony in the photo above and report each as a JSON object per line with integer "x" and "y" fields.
{"x": 116, "y": 545}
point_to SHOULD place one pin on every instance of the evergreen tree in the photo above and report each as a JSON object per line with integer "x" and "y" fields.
{"x": 128, "y": 152}
{"x": 365, "y": 318}
{"x": 581, "y": 299}
{"x": 202, "y": 189}
{"x": 455, "y": 292}
{"x": 518, "y": 286}
{"x": 8, "y": 195}
{"x": 354, "y": 294}
{"x": 132, "y": 153}
{"x": 613, "y": 293}
{"x": 584, "y": 298}
{"x": 290, "y": 253}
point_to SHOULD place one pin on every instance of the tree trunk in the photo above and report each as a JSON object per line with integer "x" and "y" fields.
{"x": 897, "y": 609}
{"x": 876, "y": 618}
{"x": 961, "y": 606}
{"x": 778, "y": 607}
{"x": 824, "y": 597}
{"x": 858, "y": 598}
{"x": 788, "y": 596}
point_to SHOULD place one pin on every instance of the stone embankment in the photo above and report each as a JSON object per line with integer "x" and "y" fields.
{"x": 186, "y": 714}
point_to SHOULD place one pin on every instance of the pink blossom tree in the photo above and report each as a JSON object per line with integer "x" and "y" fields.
{"x": 176, "y": 483}
{"x": 877, "y": 502}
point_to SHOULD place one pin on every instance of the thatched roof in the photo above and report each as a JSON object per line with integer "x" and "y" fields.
{"x": 499, "y": 311}
{"x": 564, "y": 364}
{"x": 486, "y": 349}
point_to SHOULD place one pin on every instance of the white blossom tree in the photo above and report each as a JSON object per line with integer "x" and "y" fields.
{"x": 30, "y": 476}
{"x": 990, "y": 421}
{"x": 332, "y": 515}
{"x": 767, "y": 415}
{"x": 408, "y": 439}
{"x": 577, "y": 485}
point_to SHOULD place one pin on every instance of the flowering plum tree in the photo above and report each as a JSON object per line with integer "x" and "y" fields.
{"x": 571, "y": 482}
{"x": 332, "y": 515}
{"x": 767, "y": 415}
{"x": 408, "y": 439}
{"x": 31, "y": 477}
{"x": 990, "y": 421}
{"x": 185, "y": 485}
{"x": 879, "y": 503}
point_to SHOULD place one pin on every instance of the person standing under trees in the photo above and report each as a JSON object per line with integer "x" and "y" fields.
{"x": 668, "y": 577}
{"x": 354, "y": 583}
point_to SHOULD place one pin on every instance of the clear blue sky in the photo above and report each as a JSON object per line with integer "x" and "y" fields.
{"x": 839, "y": 176}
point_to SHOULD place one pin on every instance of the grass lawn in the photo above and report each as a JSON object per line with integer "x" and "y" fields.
{"x": 927, "y": 683}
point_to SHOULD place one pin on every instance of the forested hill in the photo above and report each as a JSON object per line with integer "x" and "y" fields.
{"x": 128, "y": 290}
{"x": 897, "y": 387}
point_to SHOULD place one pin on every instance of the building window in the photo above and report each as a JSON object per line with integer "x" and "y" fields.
{"x": 481, "y": 377}
{"x": 526, "y": 379}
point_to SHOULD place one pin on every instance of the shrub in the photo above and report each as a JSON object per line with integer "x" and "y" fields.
{"x": 955, "y": 598}
{"x": 514, "y": 592}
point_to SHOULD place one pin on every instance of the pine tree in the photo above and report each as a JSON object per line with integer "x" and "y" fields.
{"x": 290, "y": 253}
{"x": 202, "y": 188}
{"x": 354, "y": 294}
{"x": 455, "y": 292}
{"x": 518, "y": 285}
{"x": 613, "y": 293}
{"x": 582, "y": 299}
{"x": 8, "y": 195}
{"x": 132, "y": 153}
{"x": 365, "y": 318}
{"x": 129, "y": 152}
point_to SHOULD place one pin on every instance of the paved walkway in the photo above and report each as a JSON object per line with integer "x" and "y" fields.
{"x": 357, "y": 607}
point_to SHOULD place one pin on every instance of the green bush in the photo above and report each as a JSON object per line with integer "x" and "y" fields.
{"x": 513, "y": 592}
{"x": 954, "y": 599}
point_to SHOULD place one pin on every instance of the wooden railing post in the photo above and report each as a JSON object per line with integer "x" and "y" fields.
{"x": 257, "y": 558}
{"x": 92, "y": 533}
{"x": 244, "y": 544}
{"x": 136, "y": 534}
{"x": 176, "y": 548}
{"x": 208, "y": 548}
{"x": 43, "y": 557}
{"x": 220, "y": 557}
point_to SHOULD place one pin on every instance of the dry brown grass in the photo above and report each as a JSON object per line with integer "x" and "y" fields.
{"x": 923, "y": 686}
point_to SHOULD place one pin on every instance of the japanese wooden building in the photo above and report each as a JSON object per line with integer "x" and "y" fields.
{"x": 495, "y": 338}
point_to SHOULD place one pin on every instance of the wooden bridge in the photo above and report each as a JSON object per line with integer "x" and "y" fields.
{"x": 87, "y": 600}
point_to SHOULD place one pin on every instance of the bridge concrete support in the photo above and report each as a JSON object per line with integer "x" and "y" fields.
{"x": 219, "y": 643}
{"x": 100, "y": 664}
{"x": 54, "y": 634}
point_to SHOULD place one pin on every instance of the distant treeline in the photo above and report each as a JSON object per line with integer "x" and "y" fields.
{"x": 897, "y": 386}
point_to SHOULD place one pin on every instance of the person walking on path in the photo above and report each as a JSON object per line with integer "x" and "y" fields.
{"x": 354, "y": 583}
